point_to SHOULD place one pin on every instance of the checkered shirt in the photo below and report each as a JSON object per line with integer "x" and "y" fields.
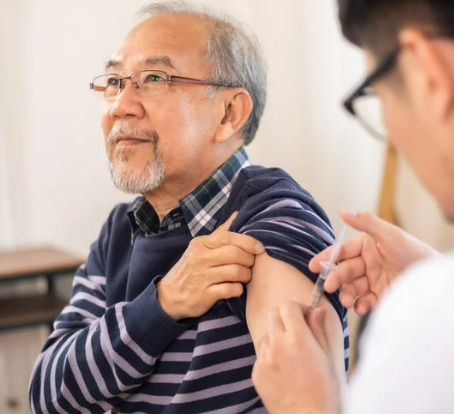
{"x": 200, "y": 209}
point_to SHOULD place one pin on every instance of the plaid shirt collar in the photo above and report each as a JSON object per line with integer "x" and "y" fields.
{"x": 200, "y": 209}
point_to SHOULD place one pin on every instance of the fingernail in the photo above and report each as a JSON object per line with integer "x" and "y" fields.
{"x": 311, "y": 265}
{"x": 259, "y": 248}
{"x": 350, "y": 213}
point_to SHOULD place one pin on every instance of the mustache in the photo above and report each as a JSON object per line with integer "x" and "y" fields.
{"x": 133, "y": 131}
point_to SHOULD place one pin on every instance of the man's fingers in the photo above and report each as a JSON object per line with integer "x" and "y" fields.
{"x": 263, "y": 348}
{"x": 368, "y": 223}
{"x": 229, "y": 255}
{"x": 349, "y": 249}
{"x": 366, "y": 303}
{"x": 355, "y": 288}
{"x": 380, "y": 230}
{"x": 225, "y": 291}
{"x": 222, "y": 237}
{"x": 292, "y": 316}
{"x": 345, "y": 272}
{"x": 244, "y": 242}
{"x": 297, "y": 319}
{"x": 316, "y": 322}
{"x": 225, "y": 226}
{"x": 227, "y": 238}
{"x": 229, "y": 273}
{"x": 275, "y": 324}
{"x": 315, "y": 263}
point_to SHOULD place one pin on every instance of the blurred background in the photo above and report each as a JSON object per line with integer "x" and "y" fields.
{"x": 55, "y": 188}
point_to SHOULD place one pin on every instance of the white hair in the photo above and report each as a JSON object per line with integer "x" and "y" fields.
{"x": 232, "y": 51}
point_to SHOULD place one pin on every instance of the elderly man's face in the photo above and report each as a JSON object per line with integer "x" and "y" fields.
{"x": 169, "y": 136}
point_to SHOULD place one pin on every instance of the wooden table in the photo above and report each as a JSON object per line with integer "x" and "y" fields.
{"x": 27, "y": 264}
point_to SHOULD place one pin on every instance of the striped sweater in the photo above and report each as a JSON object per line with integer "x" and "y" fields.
{"x": 113, "y": 346}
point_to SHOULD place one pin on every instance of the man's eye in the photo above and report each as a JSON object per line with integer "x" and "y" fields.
{"x": 113, "y": 81}
{"x": 154, "y": 78}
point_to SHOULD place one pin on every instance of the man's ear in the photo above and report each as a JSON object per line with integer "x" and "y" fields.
{"x": 238, "y": 108}
{"x": 428, "y": 73}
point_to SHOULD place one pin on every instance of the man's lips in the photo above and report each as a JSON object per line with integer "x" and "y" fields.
{"x": 126, "y": 140}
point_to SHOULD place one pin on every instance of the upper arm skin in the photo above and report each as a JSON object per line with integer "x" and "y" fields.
{"x": 274, "y": 282}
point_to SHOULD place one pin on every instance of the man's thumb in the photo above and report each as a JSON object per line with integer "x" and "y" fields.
{"x": 225, "y": 226}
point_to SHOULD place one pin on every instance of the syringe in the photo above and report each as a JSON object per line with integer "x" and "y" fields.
{"x": 328, "y": 266}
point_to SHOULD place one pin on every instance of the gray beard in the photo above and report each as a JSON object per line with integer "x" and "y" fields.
{"x": 149, "y": 178}
{"x": 139, "y": 182}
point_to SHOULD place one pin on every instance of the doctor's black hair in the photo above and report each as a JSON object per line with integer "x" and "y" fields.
{"x": 375, "y": 24}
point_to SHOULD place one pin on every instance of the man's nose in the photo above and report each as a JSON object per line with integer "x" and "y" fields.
{"x": 127, "y": 103}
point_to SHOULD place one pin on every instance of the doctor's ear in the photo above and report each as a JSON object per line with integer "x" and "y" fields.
{"x": 428, "y": 71}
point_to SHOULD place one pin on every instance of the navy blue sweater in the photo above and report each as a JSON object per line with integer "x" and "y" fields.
{"x": 113, "y": 346}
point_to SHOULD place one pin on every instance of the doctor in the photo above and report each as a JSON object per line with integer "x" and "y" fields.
{"x": 407, "y": 358}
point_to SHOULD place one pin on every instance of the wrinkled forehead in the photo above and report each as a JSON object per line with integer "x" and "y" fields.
{"x": 166, "y": 42}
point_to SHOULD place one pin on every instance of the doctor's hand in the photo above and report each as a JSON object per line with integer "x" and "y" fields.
{"x": 371, "y": 262}
{"x": 212, "y": 268}
{"x": 294, "y": 373}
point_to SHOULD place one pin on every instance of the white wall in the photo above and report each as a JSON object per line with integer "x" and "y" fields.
{"x": 11, "y": 42}
{"x": 60, "y": 187}
{"x": 419, "y": 212}
{"x": 6, "y": 232}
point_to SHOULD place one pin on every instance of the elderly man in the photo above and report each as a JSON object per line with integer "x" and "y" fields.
{"x": 407, "y": 356}
{"x": 158, "y": 320}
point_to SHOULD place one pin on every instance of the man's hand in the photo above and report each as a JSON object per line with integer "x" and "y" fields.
{"x": 371, "y": 262}
{"x": 293, "y": 373}
{"x": 213, "y": 267}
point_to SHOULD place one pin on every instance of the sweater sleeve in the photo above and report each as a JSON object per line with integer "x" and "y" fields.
{"x": 292, "y": 227}
{"x": 97, "y": 355}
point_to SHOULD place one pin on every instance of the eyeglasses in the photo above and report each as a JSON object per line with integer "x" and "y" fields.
{"x": 365, "y": 105}
{"x": 145, "y": 82}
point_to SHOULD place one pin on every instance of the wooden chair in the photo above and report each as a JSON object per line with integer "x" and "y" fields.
{"x": 23, "y": 265}
{"x": 386, "y": 207}
{"x": 19, "y": 348}
{"x": 387, "y": 211}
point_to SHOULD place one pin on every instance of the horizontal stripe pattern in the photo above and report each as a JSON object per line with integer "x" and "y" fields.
{"x": 87, "y": 368}
{"x": 101, "y": 356}
{"x": 83, "y": 366}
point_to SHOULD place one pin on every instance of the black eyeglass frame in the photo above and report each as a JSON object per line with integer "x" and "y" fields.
{"x": 382, "y": 69}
